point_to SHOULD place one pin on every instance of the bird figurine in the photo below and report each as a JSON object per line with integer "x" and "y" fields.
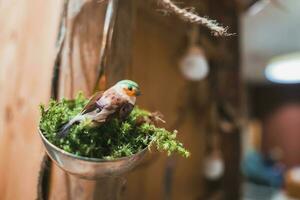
{"x": 116, "y": 102}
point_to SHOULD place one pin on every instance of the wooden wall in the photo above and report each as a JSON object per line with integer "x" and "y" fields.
{"x": 158, "y": 43}
{"x": 27, "y": 48}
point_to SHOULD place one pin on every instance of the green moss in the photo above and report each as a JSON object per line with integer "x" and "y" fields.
{"x": 113, "y": 139}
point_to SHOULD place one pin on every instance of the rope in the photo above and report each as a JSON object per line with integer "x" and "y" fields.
{"x": 191, "y": 17}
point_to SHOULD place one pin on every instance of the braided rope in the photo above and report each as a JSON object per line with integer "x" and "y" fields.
{"x": 189, "y": 16}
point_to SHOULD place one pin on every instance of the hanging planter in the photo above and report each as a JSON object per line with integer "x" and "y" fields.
{"x": 90, "y": 168}
{"x": 109, "y": 150}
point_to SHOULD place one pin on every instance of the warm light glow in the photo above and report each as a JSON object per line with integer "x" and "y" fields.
{"x": 284, "y": 69}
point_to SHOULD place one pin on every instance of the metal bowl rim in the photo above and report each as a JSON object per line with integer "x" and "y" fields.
{"x": 95, "y": 160}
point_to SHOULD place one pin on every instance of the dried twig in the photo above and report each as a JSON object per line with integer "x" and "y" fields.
{"x": 190, "y": 16}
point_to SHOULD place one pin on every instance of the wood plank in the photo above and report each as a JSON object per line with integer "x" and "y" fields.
{"x": 79, "y": 72}
{"x": 228, "y": 86}
{"x": 157, "y": 50}
{"x": 120, "y": 59}
{"x": 28, "y": 33}
{"x": 80, "y": 55}
{"x": 79, "y": 61}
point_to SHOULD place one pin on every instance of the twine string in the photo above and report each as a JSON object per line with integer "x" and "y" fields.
{"x": 190, "y": 16}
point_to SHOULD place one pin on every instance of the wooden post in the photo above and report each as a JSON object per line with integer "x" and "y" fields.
{"x": 79, "y": 71}
{"x": 226, "y": 67}
{"x": 120, "y": 59}
{"x": 27, "y": 51}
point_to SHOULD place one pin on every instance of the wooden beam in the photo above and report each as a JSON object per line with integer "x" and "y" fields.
{"x": 27, "y": 50}
{"x": 120, "y": 60}
{"x": 226, "y": 69}
{"x": 79, "y": 68}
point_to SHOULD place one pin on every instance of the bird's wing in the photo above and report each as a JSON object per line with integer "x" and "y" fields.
{"x": 117, "y": 108}
{"x": 92, "y": 104}
{"x": 125, "y": 110}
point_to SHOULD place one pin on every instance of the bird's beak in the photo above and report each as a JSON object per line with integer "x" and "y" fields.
{"x": 138, "y": 93}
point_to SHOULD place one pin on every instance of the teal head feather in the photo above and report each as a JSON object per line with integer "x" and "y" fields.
{"x": 131, "y": 86}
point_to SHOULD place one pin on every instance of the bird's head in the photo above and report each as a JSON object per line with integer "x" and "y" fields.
{"x": 129, "y": 87}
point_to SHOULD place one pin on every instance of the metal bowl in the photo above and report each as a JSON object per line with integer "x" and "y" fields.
{"x": 91, "y": 168}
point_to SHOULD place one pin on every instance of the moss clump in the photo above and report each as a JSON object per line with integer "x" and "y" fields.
{"x": 111, "y": 140}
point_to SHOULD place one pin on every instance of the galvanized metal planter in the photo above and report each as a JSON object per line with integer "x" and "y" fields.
{"x": 108, "y": 174}
{"x": 91, "y": 168}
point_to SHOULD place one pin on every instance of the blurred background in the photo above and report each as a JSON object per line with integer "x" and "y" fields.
{"x": 234, "y": 100}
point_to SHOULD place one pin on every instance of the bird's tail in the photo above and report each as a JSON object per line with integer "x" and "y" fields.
{"x": 64, "y": 130}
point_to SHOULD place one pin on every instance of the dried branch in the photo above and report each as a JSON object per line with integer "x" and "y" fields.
{"x": 190, "y": 16}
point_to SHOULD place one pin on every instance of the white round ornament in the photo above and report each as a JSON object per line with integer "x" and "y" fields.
{"x": 194, "y": 65}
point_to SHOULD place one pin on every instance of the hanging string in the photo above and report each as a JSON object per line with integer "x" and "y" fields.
{"x": 193, "y": 36}
{"x": 194, "y": 18}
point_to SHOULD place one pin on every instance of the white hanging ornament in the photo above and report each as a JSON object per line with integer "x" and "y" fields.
{"x": 213, "y": 167}
{"x": 194, "y": 65}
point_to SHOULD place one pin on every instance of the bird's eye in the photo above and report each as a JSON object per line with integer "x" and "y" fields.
{"x": 130, "y": 88}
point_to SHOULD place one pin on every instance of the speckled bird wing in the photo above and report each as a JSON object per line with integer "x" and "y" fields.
{"x": 92, "y": 104}
{"x": 118, "y": 107}
{"x": 125, "y": 110}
